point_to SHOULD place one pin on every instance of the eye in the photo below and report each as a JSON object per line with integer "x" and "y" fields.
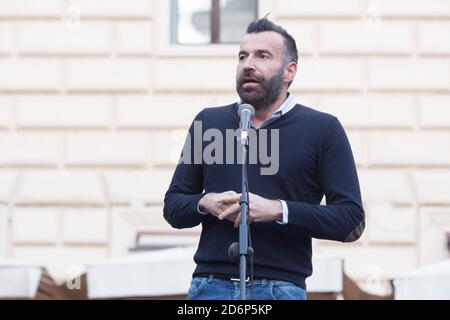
{"x": 241, "y": 57}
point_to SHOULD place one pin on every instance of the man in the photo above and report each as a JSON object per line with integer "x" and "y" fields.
{"x": 315, "y": 160}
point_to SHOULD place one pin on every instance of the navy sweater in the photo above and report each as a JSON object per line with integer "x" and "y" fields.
{"x": 315, "y": 159}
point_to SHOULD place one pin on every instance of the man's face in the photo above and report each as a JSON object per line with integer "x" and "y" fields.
{"x": 260, "y": 71}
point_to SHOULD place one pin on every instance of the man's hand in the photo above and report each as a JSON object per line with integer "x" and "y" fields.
{"x": 226, "y": 206}
{"x": 223, "y": 205}
{"x": 262, "y": 210}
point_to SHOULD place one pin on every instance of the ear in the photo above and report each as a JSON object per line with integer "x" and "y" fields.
{"x": 290, "y": 72}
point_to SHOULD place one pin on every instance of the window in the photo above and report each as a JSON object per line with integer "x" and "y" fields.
{"x": 211, "y": 21}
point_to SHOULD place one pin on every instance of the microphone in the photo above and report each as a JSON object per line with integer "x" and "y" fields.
{"x": 246, "y": 113}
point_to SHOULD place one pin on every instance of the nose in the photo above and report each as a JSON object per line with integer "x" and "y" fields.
{"x": 249, "y": 64}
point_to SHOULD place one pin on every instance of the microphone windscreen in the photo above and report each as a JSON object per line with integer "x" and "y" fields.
{"x": 233, "y": 252}
{"x": 246, "y": 106}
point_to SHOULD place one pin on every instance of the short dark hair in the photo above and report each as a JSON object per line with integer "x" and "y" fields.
{"x": 264, "y": 24}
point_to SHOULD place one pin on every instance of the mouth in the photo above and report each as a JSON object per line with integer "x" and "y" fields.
{"x": 249, "y": 82}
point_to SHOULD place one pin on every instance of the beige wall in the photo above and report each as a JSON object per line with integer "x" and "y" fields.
{"x": 93, "y": 114}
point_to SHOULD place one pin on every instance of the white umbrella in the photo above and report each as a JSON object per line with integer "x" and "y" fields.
{"x": 18, "y": 279}
{"x": 168, "y": 273}
{"x": 429, "y": 282}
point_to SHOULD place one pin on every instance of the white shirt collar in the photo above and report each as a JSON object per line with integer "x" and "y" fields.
{"x": 287, "y": 105}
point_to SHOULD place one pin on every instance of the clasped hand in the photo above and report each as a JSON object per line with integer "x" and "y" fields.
{"x": 225, "y": 206}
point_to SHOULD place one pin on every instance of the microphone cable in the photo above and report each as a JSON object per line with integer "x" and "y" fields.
{"x": 250, "y": 250}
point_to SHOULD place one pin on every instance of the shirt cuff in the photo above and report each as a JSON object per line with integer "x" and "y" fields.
{"x": 285, "y": 213}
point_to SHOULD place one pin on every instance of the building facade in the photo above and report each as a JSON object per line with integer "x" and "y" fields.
{"x": 96, "y": 97}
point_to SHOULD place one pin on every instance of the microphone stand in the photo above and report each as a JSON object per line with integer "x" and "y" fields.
{"x": 244, "y": 249}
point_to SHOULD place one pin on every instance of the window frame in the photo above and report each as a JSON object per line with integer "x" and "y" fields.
{"x": 215, "y": 19}
{"x": 163, "y": 29}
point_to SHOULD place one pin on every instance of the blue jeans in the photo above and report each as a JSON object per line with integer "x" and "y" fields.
{"x": 209, "y": 288}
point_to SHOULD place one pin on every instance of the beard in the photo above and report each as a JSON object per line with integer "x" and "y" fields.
{"x": 264, "y": 94}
